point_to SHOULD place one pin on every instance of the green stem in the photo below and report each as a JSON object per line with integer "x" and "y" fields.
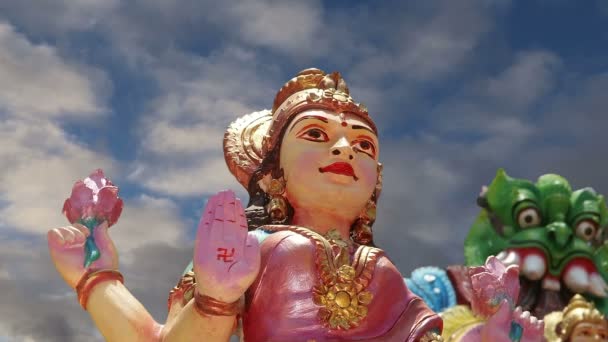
{"x": 91, "y": 251}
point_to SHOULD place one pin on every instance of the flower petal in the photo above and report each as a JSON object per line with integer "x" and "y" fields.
{"x": 106, "y": 198}
{"x": 115, "y": 213}
{"x": 71, "y": 213}
{"x": 494, "y": 265}
{"x": 99, "y": 178}
{"x": 81, "y": 195}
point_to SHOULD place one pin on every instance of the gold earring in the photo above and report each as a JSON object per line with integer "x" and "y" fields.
{"x": 277, "y": 206}
{"x": 362, "y": 231}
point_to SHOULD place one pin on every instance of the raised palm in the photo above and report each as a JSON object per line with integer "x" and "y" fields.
{"x": 226, "y": 256}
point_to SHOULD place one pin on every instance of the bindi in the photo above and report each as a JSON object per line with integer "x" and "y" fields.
{"x": 224, "y": 255}
{"x": 343, "y": 119}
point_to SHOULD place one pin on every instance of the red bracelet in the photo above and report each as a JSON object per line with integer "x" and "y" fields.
{"x": 206, "y": 305}
{"x": 90, "y": 279}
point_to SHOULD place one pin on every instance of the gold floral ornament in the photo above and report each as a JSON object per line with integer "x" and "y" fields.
{"x": 342, "y": 295}
{"x": 343, "y": 304}
{"x": 341, "y": 292}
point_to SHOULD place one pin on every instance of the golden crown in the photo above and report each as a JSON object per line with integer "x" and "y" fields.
{"x": 578, "y": 310}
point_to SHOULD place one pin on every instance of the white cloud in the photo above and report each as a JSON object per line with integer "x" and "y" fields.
{"x": 181, "y": 151}
{"x": 205, "y": 175}
{"x": 295, "y": 27}
{"x": 166, "y": 138}
{"x": 147, "y": 220}
{"x": 60, "y": 16}
{"x": 36, "y": 82}
{"x": 531, "y": 76}
{"x": 42, "y": 164}
{"x": 417, "y": 42}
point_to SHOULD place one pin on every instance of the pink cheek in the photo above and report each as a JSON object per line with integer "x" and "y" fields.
{"x": 369, "y": 172}
{"x": 307, "y": 159}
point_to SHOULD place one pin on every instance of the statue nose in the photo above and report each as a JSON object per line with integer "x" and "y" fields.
{"x": 342, "y": 148}
{"x": 559, "y": 233}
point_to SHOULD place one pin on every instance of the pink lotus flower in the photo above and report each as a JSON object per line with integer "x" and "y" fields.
{"x": 491, "y": 284}
{"x": 93, "y": 201}
{"x": 95, "y": 197}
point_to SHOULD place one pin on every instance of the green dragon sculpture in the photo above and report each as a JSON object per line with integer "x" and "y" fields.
{"x": 556, "y": 236}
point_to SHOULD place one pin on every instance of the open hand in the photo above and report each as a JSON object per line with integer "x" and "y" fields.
{"x": 226, "y": 257}
{"x": 66, "y": 246}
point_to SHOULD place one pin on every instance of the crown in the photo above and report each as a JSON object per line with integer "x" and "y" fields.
{"x": 250, "y": 138}
{"x": 577, "y": 310}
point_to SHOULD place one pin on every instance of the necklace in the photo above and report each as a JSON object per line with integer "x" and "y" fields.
{"x": 341, "y": 292}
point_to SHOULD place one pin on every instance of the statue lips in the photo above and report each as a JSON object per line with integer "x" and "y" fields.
{"x": 340, "y": 168}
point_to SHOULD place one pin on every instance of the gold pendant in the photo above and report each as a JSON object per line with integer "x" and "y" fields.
{"x": 341, "y": 293}
{"x": 344, "y": 304}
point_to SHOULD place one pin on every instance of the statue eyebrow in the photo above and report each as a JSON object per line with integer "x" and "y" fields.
{"x": 309, "y": 117}
{"x": 363, "y": 127}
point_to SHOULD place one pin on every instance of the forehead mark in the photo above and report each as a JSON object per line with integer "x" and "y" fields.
{"x": 343, "y": 119}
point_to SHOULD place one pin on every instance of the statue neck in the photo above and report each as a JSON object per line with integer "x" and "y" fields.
{"x": 322, "y": 221}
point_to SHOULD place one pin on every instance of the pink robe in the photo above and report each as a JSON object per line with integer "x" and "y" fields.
{"x": 279, "y": 304}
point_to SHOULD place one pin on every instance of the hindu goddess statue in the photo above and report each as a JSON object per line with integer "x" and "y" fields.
{"x": 298, "y": 264}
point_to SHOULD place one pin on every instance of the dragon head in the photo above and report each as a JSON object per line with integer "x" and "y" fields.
{"x": 554, "y": 234}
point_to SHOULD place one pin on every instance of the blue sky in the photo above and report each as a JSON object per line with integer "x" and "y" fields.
{"x": 145, "y": 89}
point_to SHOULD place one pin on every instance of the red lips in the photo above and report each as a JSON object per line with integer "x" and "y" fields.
{"x": 340, "y": 168}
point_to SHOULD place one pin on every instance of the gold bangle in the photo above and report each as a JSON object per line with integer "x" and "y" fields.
{"x": 206, "y": 305}
{"x": 90, "y": 279}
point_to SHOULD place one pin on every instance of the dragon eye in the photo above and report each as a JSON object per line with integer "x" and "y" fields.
{"x": 528, "y": 217}
{"x": 586, "y": 229}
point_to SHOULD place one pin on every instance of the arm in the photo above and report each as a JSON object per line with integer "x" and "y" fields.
{"x": 115, "y": 312}
{"x": 120, "y": 317}
{"x": 189, "y": 325}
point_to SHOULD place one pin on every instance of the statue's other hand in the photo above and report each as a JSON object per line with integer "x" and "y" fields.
{"x": 66, "y": 246}
{"x": 226, "y": 257}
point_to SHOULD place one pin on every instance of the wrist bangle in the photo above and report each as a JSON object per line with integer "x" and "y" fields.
{"x": 206, "y": 306}
{"x": 90, "y": 279}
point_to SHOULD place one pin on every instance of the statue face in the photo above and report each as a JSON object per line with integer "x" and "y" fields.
{"x": 590, "y": 332}
{"x": 329, "y": 162}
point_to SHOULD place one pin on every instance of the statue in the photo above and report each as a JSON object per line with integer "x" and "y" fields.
{"x": 580, "y": 321}
{"x": 298, "y": 264}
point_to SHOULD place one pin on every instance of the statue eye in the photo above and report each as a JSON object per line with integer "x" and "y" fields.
{"x": 314, "y": 134}
{"x": 528, "y": 217}
{"x": 365, "y": 146}
{"x": 586, "y": 229}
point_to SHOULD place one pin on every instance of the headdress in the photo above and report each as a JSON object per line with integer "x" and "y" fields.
{"x": 578, "y": 310}
{"x": 249, "y": 139}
